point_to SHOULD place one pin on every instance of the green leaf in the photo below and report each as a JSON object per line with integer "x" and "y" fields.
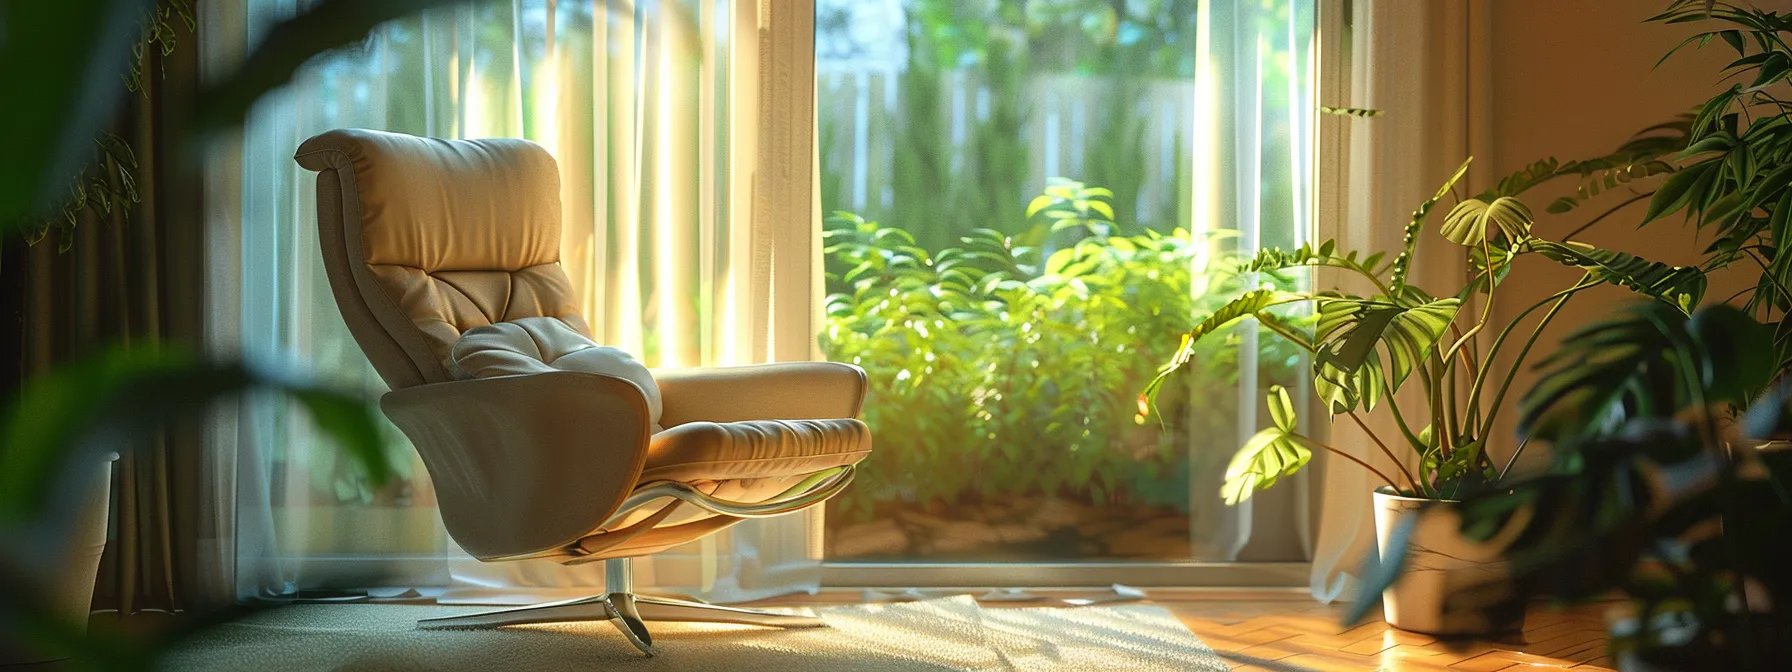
{"x": 1407, "y": 334}
{"x": 1679, "y": 286}
{"x": 1039, "y": 202}
{"x": 1271, "y": 260}
{"x": 1771, "y": 70}
{"x": 1734, "y": 38}
{"x": 1245, "y": 305}
{"x": 1742, "y": 165}
{"x": 64, "y": 420}
{"x": 1723, "y": 208}
{"x": 1379, "y": 572}
{"x": 1263, "y": 460}
{"x": 1529, "y": 176}
{"x": 1349, "y": 111}
{"x": 324, "y": 25}
{"x": 1410, "y": 242}
{"x": 1740, "y": 359}
{"x": 1714, "y": 109}
{"x": 1631, "y": 365}
{"x": 1677, "y": 191}
{"x": 1467, "y": 222}
{"x": 1345, "y": 391}
{"x": 1103, "y": 208}
{"x": 1281, "y": 408}
{"x": 76, "y": 51}
{"x": 1720, "y": 142}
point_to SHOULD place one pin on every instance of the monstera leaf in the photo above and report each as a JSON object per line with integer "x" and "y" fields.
{"x": 1633, "y": 365}
{"x": 1467, "y": 222}
{"x": 1247, "y": 304}
{"x": 1350, "y": 330}
{"x": 1273, "y": 453}
{"x": 1345, "y": 391}
{"x": 1679, "y": 286}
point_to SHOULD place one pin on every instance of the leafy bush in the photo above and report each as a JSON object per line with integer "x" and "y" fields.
{"x": 1012, "y": 364}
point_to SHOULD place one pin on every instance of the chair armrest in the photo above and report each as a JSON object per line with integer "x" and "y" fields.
{"x": 526, "y": 464}
{"x": 784, "y": 391}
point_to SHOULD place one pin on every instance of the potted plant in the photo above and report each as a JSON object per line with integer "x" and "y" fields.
{"x": 1654, "y": 494}
{"x": 1367, "y": 346}
{"x": 1660, "y": 489}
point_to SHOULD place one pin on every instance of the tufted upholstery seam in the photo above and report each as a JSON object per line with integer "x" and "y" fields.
{"x": 463, "y": 292}
{"x": 509, "y": 295}
{"x": 447, "y": 290}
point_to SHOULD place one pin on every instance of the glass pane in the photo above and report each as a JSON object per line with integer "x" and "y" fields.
{"x": 1029, "y": 202}
{"x": 628, "y": 97}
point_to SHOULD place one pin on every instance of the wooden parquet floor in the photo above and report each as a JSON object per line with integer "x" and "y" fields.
{"x": 1298, "y": 635}
{"x": 1289, "y": 632}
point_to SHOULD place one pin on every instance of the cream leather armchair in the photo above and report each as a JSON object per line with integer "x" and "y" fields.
{"x": 424, "y": 239}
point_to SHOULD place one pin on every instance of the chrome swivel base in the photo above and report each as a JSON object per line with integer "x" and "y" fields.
{"x": 627, "y": 611}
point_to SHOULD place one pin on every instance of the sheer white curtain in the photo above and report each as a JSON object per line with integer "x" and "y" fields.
{"x": 652, "y": 109}
{"x": 1252, "y": 172}
{"x": 1421, "y": 63}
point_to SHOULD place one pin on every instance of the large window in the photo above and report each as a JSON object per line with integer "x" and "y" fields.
{"x": 1027, "y": 202}
{"x": 632, "y": 99}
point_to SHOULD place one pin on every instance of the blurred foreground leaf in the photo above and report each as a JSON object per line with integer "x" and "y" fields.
{"x": 83, "y": 410}
{"x": 62, "y": 63}
{"x": 325, "y": 25}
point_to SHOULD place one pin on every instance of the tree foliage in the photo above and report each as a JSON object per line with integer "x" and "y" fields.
{"x": 1007, "y": 364}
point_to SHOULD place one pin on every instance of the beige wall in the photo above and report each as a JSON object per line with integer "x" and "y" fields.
{"x": 1574, "y": 78}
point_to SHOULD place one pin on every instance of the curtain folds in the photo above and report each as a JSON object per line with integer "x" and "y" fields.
{"x": 1252, "y": 174}
{"x": 646, "y": 106}
{"x": 128, "y": 277}
{"x": 1418, "y": 63}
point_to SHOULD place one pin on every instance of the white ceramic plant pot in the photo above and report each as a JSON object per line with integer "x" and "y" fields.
{"x": 68, "y": 585}
{"x": 1439, "y": 562}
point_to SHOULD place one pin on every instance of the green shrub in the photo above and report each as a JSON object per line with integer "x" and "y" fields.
{"x": 1012, "y": 364}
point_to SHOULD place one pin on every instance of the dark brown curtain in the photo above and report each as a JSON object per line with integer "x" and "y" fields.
{"x": 135, "y": 279}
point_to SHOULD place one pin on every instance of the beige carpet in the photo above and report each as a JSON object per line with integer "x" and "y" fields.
{"x": 941, "y": 634}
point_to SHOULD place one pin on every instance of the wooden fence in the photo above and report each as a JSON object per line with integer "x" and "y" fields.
{"x": 860, "y": 116}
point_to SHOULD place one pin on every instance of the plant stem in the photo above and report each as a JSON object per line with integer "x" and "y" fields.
{"x": 1608, "y": 213}
{"x": 1512, "y": 460}
{"x": 1474, "y": 395}
{"x": 1365, "y": 465}
{"x": 1286, "y": 336}
{"x": 1450, "y": 407}
{"x": 1386, "y": 451}
{"x": 1440, "y": 424}
{"x": 1768, "y": 273}
{"x": 1493, "y": 410}
{"x": 1449, "y": 353}
{"x": 1492, "y": 293}
{"x": 1405, "y": 430}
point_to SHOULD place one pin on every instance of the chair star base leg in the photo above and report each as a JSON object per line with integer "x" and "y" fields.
{"x": 627, "y": 611}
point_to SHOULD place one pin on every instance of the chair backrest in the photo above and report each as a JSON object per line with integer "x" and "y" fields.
{"x": 424, "y": 238}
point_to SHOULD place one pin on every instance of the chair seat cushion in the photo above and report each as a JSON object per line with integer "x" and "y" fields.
{"x": 544, "y": 344}
{"x": 710, "y": 451}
